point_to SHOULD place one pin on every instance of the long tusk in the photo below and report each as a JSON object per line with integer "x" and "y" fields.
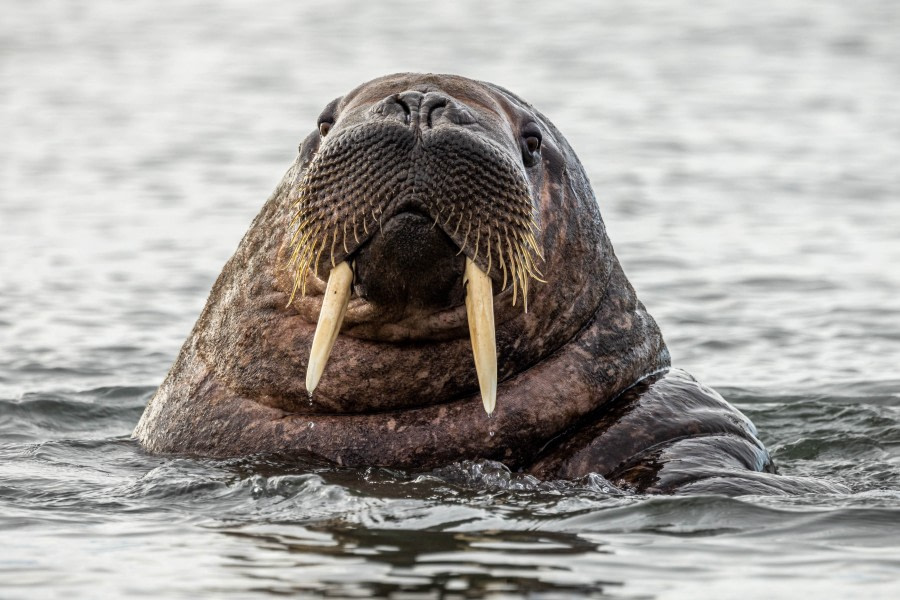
{"x": 480, "y": 310}
{"x": 334, "y": 305}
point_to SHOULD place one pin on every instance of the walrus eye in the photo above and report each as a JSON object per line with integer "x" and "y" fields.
{"x": 324, "y": 128}
{"x": 531, "y": 144}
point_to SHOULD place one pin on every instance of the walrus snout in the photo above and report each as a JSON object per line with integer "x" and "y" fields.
{"x": 469, "y": 185}
{"x": 425, "y": 110}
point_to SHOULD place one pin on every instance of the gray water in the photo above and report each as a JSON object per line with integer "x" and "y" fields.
{"x": 745, "y": 156}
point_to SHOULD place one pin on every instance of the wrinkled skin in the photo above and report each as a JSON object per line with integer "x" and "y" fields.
{"x": 585, "y": 385}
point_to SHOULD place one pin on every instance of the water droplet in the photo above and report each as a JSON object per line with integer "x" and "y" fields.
{"x": 257, "y": 487}
{"x": 309, "y": 395}
{"x": 491, "y": 433}
{"x": 311, "y": 424}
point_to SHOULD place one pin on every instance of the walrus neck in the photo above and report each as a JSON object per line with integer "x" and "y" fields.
{"x": 629, "y": 344}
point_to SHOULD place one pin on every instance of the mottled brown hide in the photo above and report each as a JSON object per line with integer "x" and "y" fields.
{"x": 404, "y": 178}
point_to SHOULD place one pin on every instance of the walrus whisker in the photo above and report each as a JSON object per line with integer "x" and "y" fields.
{"x": 458, "y": 223}
{"x": 299, "y": 229}
{"x": 533, "y": 271}
{"x": 307, "y": 262}
{"x": 524, "y": 285}
{"x": 525, "y": 290}
{"x": 517, "y": 288}
{"x": 297, "y": 249}
{"x": 449, "y": 215}
{"x": 301, "y": 198}
{"x": 466, "y": 238}
{"x": 527, "y": 264}
{"x": 311, "y": 237}
{"x": 523, "y": 277}
{"x": 355, "y": 238}
{"x": 534, "y": 246}
{"x": 294, "y": 254}
{"x": 333, "y": 242}
{"x": 297, "y": 282}
{"x": 489, "y": 253}
{"x": 304, "y": 241}
{"x": 515, "y": 279}
{"x": 294, "y": 220}
{"x": 502, "y": 262}
{"x": 305, "y": 276}
{"x": 318, "y": 257}
{"x": 512, "y": 265}
{"x": 302, "y": 264}
{"x": 293, "y": 291}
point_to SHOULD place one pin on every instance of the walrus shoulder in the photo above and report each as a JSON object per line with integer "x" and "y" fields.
{"x": 638, "y": 440}
{"x": 670, "y": 433}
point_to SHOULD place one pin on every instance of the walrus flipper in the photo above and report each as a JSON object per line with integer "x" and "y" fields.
{"x": 714, "y": 464}
{"x": 670, "y": 433}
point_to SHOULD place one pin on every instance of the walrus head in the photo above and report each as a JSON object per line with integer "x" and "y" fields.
{"x": 426, "y": 219}
{"x": 411, "y": 195}
{"x": 419, "y": 199}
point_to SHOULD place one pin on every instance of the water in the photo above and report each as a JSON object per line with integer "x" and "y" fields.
{"x": 745, "y": 157}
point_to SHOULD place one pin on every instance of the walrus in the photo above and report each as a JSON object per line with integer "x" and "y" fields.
{"x": 432, "y": 282}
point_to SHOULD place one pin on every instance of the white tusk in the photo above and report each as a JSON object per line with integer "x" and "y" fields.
{"x": 334, "y": 305}
{"x": 480, "y": 310}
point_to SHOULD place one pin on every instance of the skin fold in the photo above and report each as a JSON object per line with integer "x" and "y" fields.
{"x": 404, "y": 178}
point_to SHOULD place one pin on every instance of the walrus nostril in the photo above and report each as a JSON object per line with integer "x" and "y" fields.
{"x": 425, "y": 110}
{"x": 410, "y": 101}
{"x": 433, "y": 110}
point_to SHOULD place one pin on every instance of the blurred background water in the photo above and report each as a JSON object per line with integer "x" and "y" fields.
{"x": 745, "y": 156}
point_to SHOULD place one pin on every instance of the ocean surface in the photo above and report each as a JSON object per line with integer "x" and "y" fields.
{"x": 745, "y": 157}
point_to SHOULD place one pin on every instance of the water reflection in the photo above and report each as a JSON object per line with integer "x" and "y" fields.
{"x": 336, "y": 561}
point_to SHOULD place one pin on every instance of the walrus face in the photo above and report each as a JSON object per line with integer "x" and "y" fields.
{"x": 419, "y": 192}
{"x": 426, "y": 218}
{"x": 404, "y": 185}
